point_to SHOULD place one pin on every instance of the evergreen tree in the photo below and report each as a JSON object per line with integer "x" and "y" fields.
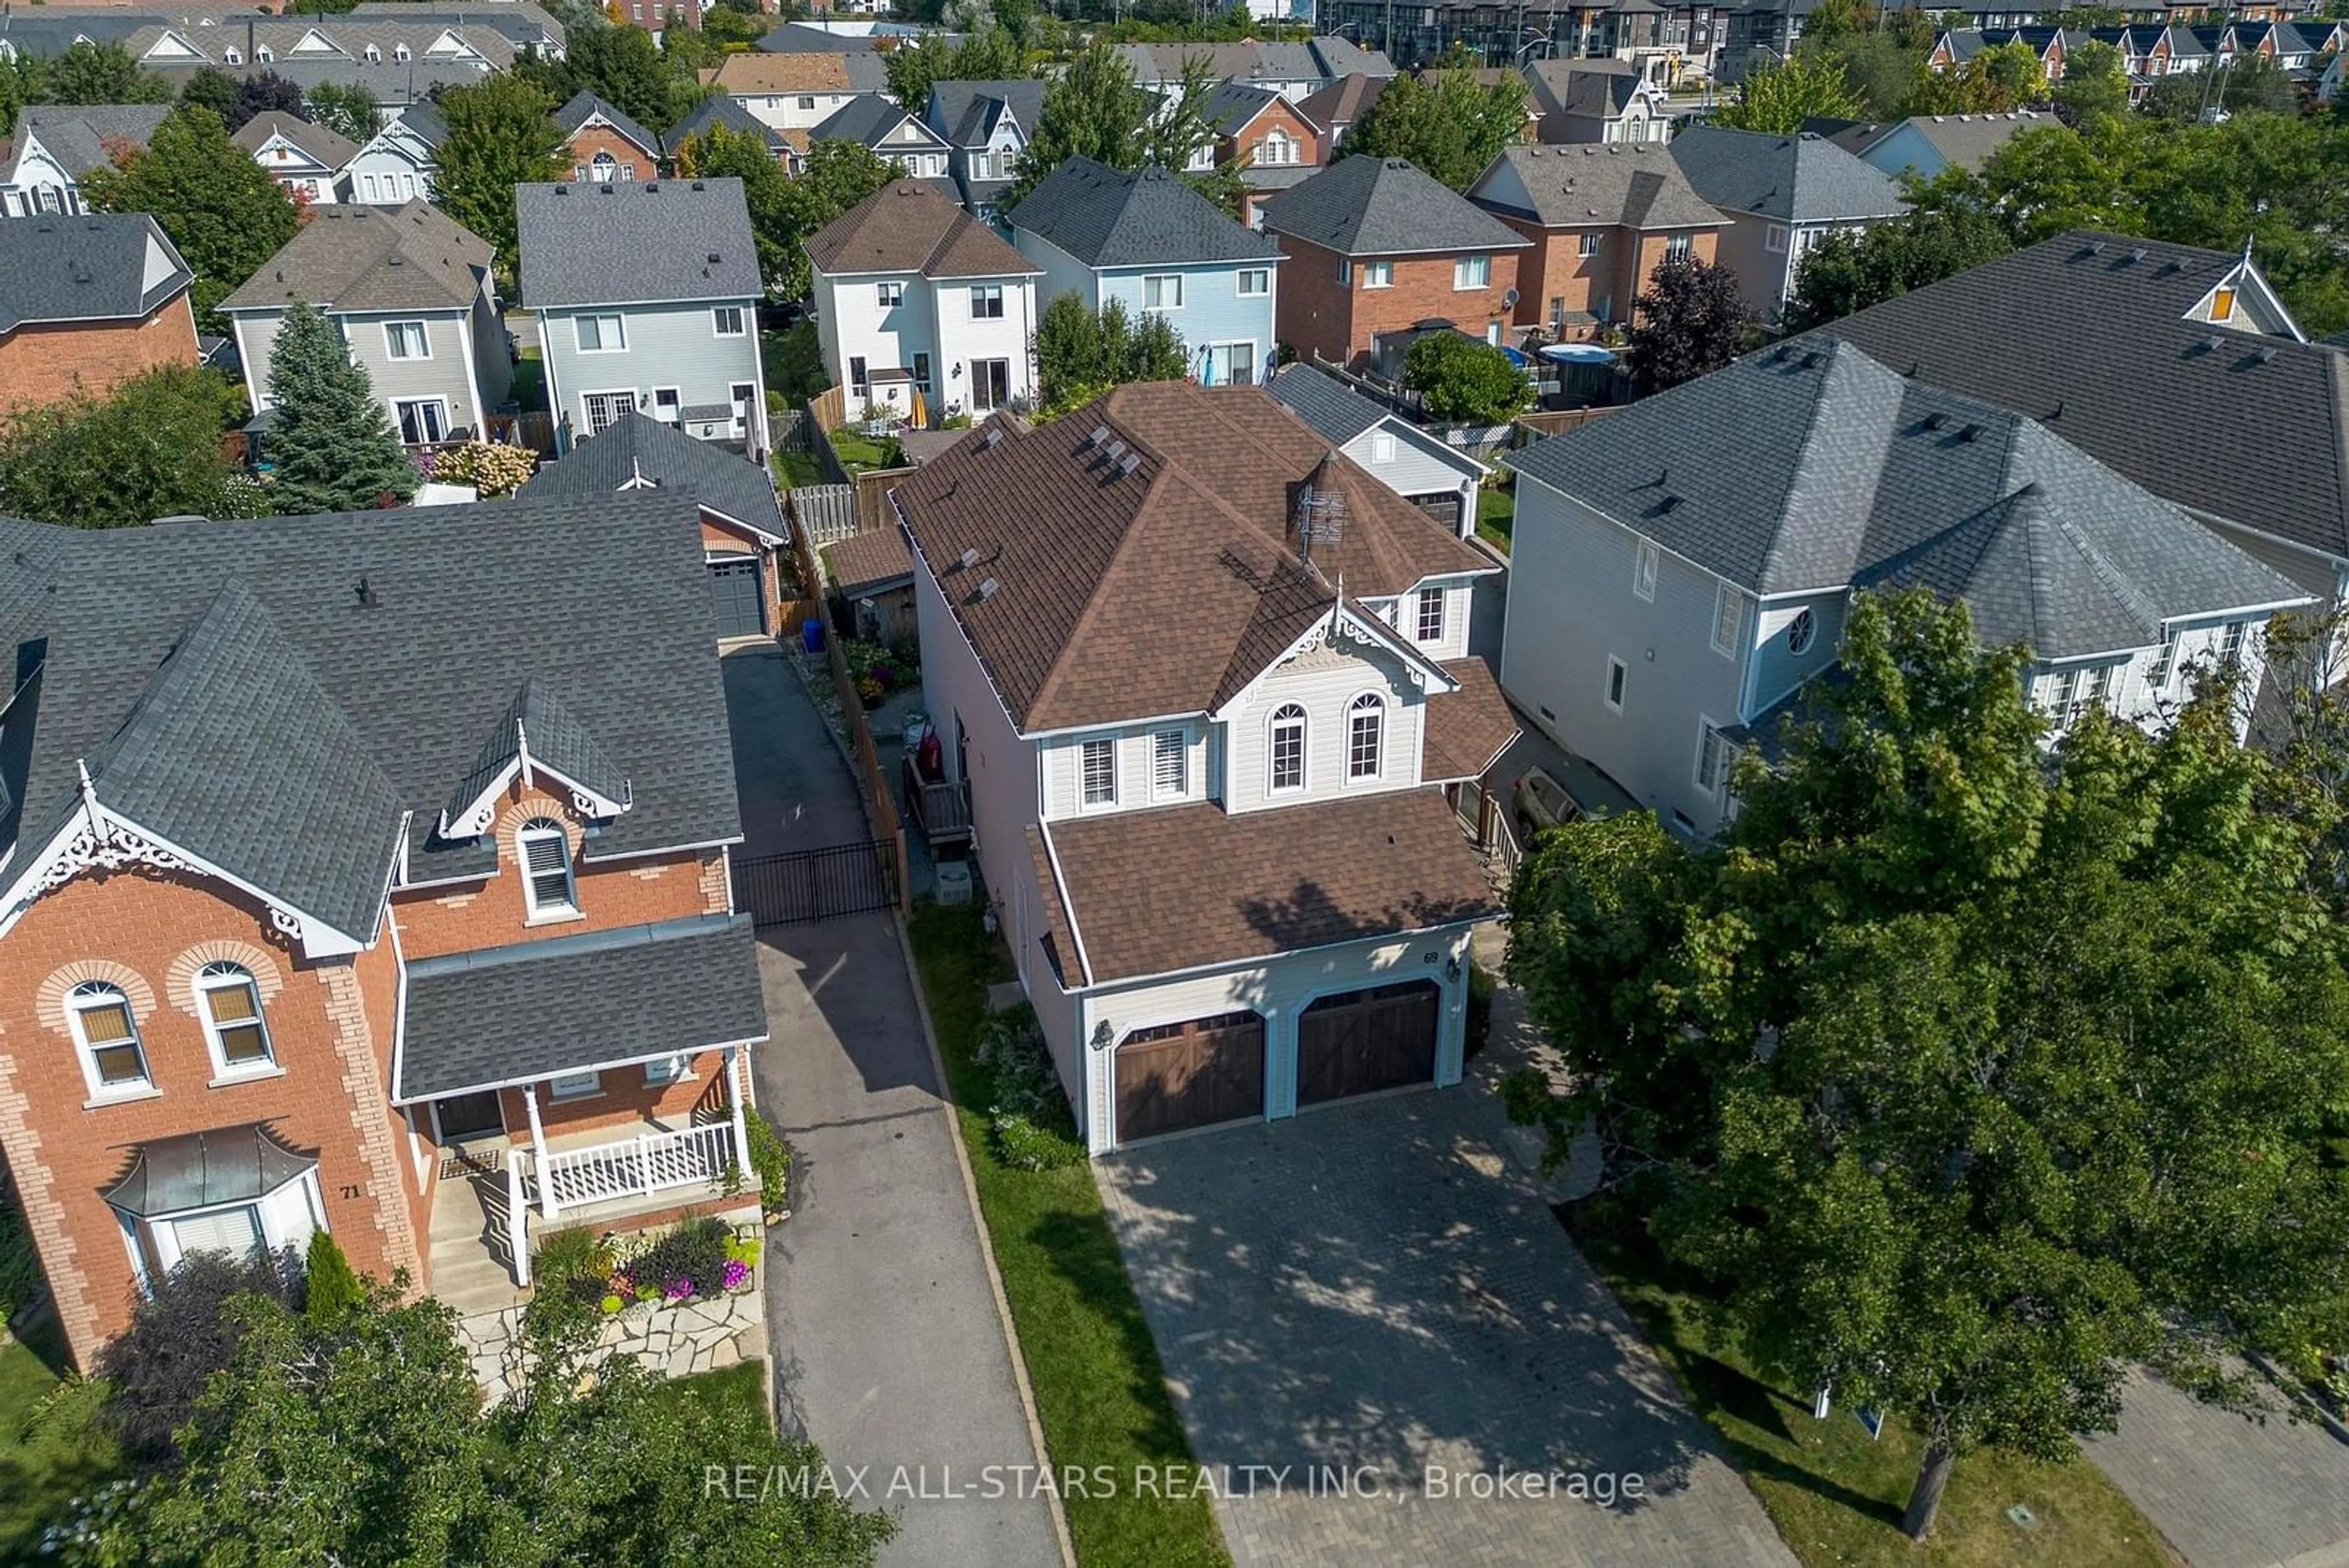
{"x": 330, "y": 446}
{"x": 331, "y": 1286}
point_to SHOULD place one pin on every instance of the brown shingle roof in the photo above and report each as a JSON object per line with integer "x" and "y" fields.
{"x": 1163, "y": 585}
{"x": 907, "y": 226}
{"x": 800, "y": 73}
{"x": 870, "y": 559}
{"x": 1631, "y": 183}
{"x": 1468, "y": 728}
{"x": 1180, "y": 887}
{"x": 353, "y": 257}
{"x": 1342, "y": 102}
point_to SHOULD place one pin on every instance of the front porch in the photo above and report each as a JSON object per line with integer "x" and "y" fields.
{"x": 495, "y": 1195}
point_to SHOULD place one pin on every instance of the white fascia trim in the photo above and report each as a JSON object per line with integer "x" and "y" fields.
{"x": 728, "y": 520}
{"x": 1105, "y": 988}
{"x": 399, "y": 999}
{"x": 400, "y": 1097}
{"x": 1067, "y": 909}
{"x": 662, "y": 849}
{"x": 319, "y": 938}
{"x": 474, "y": 820}
{"x": 1434, "y": 679}
{"x": 607, "y": 307}
{"x": 1433, "y": 448}
{"x": 2238, "y": 612}
{"x": 1113, "y": 724}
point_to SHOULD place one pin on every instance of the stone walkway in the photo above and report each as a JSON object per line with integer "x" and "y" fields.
{"x": 1379, "y": 1292}
{"x": 2227, "y": 1492}
{"x": 674, "y": 1341}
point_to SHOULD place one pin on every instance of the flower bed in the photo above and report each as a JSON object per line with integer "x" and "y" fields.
{"x": 694, "y": 1260}
{"x": 878, "y": 671}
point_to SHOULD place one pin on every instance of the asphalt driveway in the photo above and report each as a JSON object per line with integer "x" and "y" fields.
{"x": 1374, "y": 1292}
{"x": 888, "y": 1350}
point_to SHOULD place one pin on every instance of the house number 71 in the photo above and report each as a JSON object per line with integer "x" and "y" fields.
{"x": 352, "y": 1190}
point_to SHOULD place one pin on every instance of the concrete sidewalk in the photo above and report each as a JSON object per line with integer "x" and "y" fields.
{"x": 888, "y": 1348}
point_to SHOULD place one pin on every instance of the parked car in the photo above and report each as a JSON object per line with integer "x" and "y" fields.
{"x": 1538, "y": 801}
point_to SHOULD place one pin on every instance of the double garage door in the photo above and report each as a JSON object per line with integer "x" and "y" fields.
{"x": 1211, "y": 1070}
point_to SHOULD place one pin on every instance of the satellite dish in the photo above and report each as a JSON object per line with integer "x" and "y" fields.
{"x": 1509, "y": 300}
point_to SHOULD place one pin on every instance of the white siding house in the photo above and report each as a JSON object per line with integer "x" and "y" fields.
{"x": 1682, "y": 570}
{"x": 1221, "y": 844}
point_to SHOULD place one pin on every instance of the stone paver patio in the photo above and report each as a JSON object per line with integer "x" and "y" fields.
{"x": 1375, "y": 1288}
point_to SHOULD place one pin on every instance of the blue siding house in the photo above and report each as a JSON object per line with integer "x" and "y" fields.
{"x": 1150, "y": 239}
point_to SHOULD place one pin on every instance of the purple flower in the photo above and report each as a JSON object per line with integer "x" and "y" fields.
{"x": 679, "y": 1288}
{"x": 737, "y": 1273}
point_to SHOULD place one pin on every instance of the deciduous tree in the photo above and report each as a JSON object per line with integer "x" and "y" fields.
{"x": 330, "y": 446}
{"x": 2096, "y": 82}
{"x": 1777, "y": 98}
{"x": 23, "y": 80}
{"x": 209, "y": 86}
{"x": 501, "y": 133}
{"x": 347, "y": 109}
{"x": 151, "y": 448}
{"x": 721, "y": 153}
{"x": 1460, "y": 378}
{"x": 1691, "y": 321}
{"x": 1081, "y": 354}
{"x": 260, "y": 94}
{"x": 1845, "y": 273}
{"x": 1972, "y": 1077}
{"x": 1092, "y": 109}
{"x": 990, "y": 54}
{"x": 1449, "y": 124}
{"x": 103, "y": 73}
{"x": 221, "y": 209}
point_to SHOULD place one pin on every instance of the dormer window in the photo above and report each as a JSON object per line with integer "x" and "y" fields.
{"x": 544, "y": 852}
{"x": 399, "y": 52}
{"x": 232, "y": 56}
{"x": 374, "y": 55}
{"x": 265, "y": 54}
{"x": 1286, "y": 749}
{"x": 2222, "y": 303}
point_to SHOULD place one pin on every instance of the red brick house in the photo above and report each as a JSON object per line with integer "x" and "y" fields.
{"x": 334, "y": 875}
{"x": 606, "y": 145}
{"x": 1600, "y": 220}
{"x": 87, "y": 302}
{"x": 1379, "y": 253}
{"x": 1275, "y": 147}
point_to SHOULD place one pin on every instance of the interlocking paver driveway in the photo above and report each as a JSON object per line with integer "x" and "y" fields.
{"x": 1374, "y": 1287}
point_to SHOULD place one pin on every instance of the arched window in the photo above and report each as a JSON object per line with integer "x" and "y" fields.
{"x": 546, "y": 856}
{"x": 1366, "y": 722}
{"x": 1286, "y": 748}
{"x": 230, "y": 1005}
{"x": 605, "y": 169}
{"x": 1277, "y": 147}
{"x": 111, "y": 1057}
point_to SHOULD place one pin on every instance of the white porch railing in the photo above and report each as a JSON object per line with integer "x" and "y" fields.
{"x": 636, "y": 1166}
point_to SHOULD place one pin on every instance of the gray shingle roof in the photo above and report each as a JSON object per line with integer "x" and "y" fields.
{"x": 1336, "y": 412}
{"x": 585, "y": 106}
{"x": 76, "y": 135}
{"x": 351, "y": 256}
{"x": 1799, "y": 178}
{"x": 1107, "y": 218}
{"x": 325, "y": 147}
{"x": 637, "y": 241}
{"x": 2088, "y": 333}
{"x": 1229, "y": 106}
{"x": 635, "y": 450}
{"x": 607, "y": 997}
{"x": 92, "y": 267}
{"x": 871, "y": 119}
{"x": 537, "y": 723}
{"x": 1633, "y": 184}
{"x": 1384, "y": 206}
{"x": 1821, "y": 468}
{"x": 965, "y": 113}
{"x": 719, "y": 111}
{"x": 418, "y": 678}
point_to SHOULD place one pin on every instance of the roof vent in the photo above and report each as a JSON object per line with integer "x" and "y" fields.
{"x": 713, "y": 258}
{"x": 968, "y": 559}
{"x": 1128, "y": 464}
{"x": 2214, "y": 343}
{"x": 2139, "y": 253}
{"x": 987, "y": 590}
{"x": 1100, "y": 434}
{"x": 1814, "y": 359}
{"x": 992, "y": 438}
{"x": 2032, "y": 488}
{"x": 2265, "y": 355}
{"x": 563, "y": 190}
{"x": 1116, "y": 449}
{"x": 1970, "y": 432}
{"x": 699, "y": 186}
{"x": 1669, "y": 503}
{"x": 1936, "y": 420}
{"x": 367, "y": 593}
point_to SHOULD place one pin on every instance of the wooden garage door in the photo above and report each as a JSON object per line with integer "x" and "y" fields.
{"x": 1443, "y": 506}
{"x": 1359, "y": 1041}
{"x": 1193, "y": 1075}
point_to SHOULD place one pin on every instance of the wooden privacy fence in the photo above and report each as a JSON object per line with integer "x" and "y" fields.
{"x": 888, "y": 827}
{"x": 829, "y": 409}
{"x": 1557, "y": 421}
{"x": 873, "y": 487}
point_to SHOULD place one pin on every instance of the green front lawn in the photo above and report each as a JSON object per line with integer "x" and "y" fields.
{"x": 1836, "y": 1496}
{"x": 52, "y": 1449}
{"x": 1099, "y": 1390}
{"x": 1496, "y": 516}
{"x": 736, "y": 1394}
